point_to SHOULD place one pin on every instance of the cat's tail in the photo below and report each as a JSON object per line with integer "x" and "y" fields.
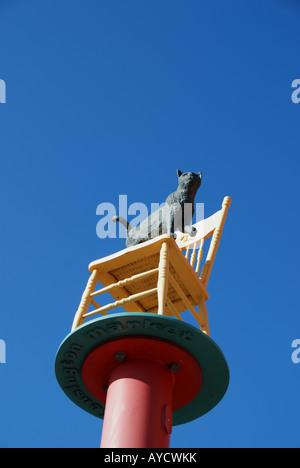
{"x": 119, "y": 219}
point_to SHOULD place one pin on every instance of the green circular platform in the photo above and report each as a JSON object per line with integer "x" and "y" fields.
{"x": 78, "y": 345}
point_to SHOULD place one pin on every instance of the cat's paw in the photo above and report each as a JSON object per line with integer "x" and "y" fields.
{"x": 191, "y": 230}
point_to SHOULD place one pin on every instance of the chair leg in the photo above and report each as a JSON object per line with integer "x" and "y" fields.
{"x": 85, "y": 300}
{"x": 163, "y": 278}
{"x": 203, "y": 316}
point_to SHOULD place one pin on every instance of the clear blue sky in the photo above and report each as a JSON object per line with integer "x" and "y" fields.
{"x": 109, "y": 97}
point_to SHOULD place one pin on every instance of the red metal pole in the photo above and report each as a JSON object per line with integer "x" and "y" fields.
{"x": 138, "y": 412}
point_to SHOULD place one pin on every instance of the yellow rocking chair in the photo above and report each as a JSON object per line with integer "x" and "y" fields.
{"x": 156, "y": 276}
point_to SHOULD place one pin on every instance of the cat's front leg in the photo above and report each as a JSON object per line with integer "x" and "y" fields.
{"x": 172, "y": 226}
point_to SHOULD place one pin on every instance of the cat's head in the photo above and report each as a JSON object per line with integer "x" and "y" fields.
{"x": 189, "y": 179}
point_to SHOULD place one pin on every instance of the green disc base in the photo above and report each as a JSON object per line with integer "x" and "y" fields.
{"x": 77, "y": 346}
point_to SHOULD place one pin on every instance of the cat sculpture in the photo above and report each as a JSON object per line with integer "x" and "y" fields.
{"x": 176, "y": 214}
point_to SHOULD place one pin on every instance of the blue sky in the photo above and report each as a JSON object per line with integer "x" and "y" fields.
{"x": 110, "y": 97}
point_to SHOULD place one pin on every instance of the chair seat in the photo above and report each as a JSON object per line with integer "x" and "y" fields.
{"x": 142, "y": 258}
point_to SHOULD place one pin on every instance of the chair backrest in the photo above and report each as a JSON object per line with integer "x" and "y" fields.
{"x": 209, "y": 227}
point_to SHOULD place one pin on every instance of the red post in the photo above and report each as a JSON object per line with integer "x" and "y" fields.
{"x": 138, "y": 412}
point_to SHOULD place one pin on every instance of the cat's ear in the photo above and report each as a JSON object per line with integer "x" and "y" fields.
{"x": 179, "y": 172}
{"x": 200, "y": 175}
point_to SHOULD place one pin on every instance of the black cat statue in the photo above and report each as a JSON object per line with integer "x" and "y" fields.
{"x": 176, "y": 214}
